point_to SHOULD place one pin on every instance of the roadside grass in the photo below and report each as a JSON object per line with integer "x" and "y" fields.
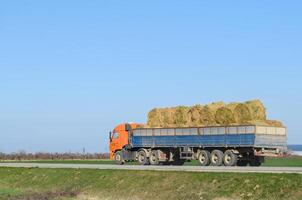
{"x": 34, "y": 184}
{"x": 9, "y": 191}
{"x": 293, "y": 161}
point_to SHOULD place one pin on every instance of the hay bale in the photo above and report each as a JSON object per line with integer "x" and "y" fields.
{"x": 194, "y": 116}
{"x": 155, "y": 118}
{"x": 181, "y": 116}
{"x": 207, "y": 117}
{"x": 215, "y": 106}
{"x": 242, "y": 113}
{"x": 257, "y": 109}
{"x": 232, "y": 106}
{"x": 168, "y": 117}
{"x": 274, "y": 123}
{"x": 224, "y": 116}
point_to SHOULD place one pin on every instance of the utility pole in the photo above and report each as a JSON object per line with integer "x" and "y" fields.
{"x": 84, "y": 153}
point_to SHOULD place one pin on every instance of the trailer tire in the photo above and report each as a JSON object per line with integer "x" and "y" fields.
{"x": 154, "y": 158}
{"x": 204, "y": 158}
{"x": 229, "y": 158}
{"x": 142, "y": 158}
{"x": 118, "y": 157}
{"x": 216, "y": 158}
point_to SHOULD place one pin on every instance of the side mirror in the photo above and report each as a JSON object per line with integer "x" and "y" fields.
{"x": 110, "y": 136}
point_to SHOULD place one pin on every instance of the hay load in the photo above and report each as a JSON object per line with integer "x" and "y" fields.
{"x": 207, "y": 116}
{"x": 194, "y": 115}
{"x": 225, "y": 116}
{"x": 155, "y": 118}
{"x": 219, "y": 113}
{"x": 257, "y": 109}
{"x": 181, "y": 117}
{"x": 242, "y": 113}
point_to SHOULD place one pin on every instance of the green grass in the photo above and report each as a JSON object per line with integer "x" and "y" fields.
{"x": 4, "y": 192}
{"x": 270, "y": 162}
{"x": 284, "y": 162}
{"x": 18, "y": 183}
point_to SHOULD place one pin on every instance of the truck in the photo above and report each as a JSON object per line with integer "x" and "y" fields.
{"x": 239, "y": 145}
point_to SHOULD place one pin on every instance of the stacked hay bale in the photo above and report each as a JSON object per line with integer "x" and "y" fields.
{"x": 250, "y": 112}
{"x": 225, "y": 116}
{"x": 155, "y": 118}
{"x": 207, "y": 117}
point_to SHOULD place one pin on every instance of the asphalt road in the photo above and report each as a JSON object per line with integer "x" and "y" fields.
{"x": 278, "y": 170}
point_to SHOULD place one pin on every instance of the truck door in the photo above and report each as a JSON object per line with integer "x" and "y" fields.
{"x": 115, "y": 141}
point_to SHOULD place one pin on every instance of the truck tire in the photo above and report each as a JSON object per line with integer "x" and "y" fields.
{"x": 204, "y": 158}
{"x": 154, "y": 158}
{"x": 255, "y": 162}
{"x": 118, "y": 157}
{"x": 142, "y": 158}
{"x": 216, "y": 158}
{"x": 229, "y": 158}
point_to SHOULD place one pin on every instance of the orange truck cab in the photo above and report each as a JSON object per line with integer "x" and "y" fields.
{"x": 119, "y": 138}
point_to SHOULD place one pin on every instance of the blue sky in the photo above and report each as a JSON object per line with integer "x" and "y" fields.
{"x": 70, "y": 71}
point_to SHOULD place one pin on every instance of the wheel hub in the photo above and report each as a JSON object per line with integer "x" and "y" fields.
{"x": 141, "y": 158}
{"x": 228, "y": 159}
{"x": 202, "y": 158}
{"x": 215, "y": 159}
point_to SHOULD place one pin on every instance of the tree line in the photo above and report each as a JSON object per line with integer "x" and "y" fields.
{"x": 22, "y": 155}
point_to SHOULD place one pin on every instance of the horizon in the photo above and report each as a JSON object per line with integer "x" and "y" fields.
{"x": 78, "y": 152}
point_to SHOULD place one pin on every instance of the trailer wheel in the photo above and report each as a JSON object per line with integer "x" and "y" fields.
{"x": 216, "y": 158}
{"x": 204, "y": 158}
{"x": 118, "y": 157}
{"x": 229, "y": 158}
{"x": 142, "y": 158}
{"x": 154, "y": 158}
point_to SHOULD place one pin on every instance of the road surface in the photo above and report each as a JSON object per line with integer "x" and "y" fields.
{"x": 278, "y": 170}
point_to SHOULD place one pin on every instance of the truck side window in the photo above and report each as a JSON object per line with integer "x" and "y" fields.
{"x": 116, "y": 135}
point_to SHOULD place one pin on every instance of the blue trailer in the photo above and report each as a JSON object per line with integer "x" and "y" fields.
{"x": 217, "y": 145}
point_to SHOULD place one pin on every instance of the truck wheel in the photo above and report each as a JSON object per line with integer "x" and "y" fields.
{"x": 154, "y": 158}
{"x": 229, "y": 158}
{"x": 142, "y": 158}
{"x": 118, "y": 157}
{"x": 255, "y": 162}
{"x": 204, "y": 158}
{"x": 216, "y": 158}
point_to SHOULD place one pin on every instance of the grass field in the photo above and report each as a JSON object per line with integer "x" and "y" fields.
{"x": 66, "y": 184}
{"x": 270, "y": 162}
